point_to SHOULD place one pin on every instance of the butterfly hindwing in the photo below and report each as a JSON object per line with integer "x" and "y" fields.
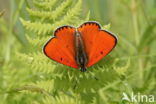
{"x": 98, "y": 43}
{"x": 60, "y": 48}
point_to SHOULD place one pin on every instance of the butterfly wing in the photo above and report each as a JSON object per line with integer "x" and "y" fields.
{"x": 98, "y": 43}
{"x": 60, "y": 48}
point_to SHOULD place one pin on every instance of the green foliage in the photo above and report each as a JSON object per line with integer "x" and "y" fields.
{"x": 49, "y": 20}
{"x": 28, "y": 76}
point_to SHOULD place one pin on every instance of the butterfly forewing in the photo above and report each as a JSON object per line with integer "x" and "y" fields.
{"x": 98, "y": 43}
{"x": 61, "y": 48}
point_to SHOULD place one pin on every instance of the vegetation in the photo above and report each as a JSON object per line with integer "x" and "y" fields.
{"x": 28, "y": 76}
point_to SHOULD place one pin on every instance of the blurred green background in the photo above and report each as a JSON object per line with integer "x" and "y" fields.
{"x": 133, "y": 22}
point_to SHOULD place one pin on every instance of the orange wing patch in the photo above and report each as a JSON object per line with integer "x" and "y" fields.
{"x": 98, "y": 43}
{"x": 61, "y": 47}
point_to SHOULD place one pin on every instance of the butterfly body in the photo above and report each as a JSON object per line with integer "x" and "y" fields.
{"x": 80, "y": 47}
{"x": 81, "y": 57}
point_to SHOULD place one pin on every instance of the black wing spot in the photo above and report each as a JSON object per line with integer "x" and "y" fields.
{"x": 61, "y": 28}
{"x": 101, "y": 52}
{"x": 66, "y": 27}
{"x": 61, "y": 58}
{"x": 89, "y": 23}
{"x": 97, "y": 24}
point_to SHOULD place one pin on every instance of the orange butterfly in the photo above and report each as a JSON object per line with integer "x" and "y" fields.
{"x": 80, "y": 47}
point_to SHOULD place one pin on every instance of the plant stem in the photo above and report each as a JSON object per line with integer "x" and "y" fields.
{"x": 137, "y": 37}
{"x": 135, "y": 22}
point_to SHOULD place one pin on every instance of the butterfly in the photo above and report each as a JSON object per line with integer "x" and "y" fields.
{"x": 80, "y": 47}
